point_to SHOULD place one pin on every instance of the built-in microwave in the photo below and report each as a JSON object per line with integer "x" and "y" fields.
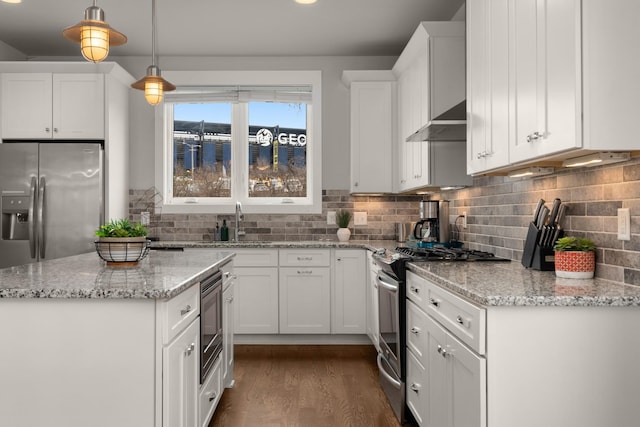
{"x": 210, "y": 322}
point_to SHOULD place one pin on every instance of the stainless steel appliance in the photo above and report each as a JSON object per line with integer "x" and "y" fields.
{"x": 51, "y": 199}
{"x": 210, "y": 322}
{"x": 434, "y": 222}
{"x": 392, "y": 338}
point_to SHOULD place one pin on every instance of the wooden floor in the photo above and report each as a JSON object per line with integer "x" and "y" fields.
{"x": 304, "y": 386}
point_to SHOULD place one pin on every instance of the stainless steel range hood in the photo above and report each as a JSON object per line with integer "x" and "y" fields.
{"x": 448, "y": 126}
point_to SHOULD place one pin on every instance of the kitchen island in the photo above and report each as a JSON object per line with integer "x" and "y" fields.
{"x": 519, "y": 347}
{"x": 88, "y": 344}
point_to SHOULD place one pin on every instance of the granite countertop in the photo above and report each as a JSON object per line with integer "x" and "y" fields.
{"x": 510, "y": 284}
{"x": 162, "y": 274}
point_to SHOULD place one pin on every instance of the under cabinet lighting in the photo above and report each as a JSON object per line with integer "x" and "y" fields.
{"x": 533, "y": 171}
{"x": 12, "y": 1}
{"x": 596, "y": 159}
{"x": 306, "y": 1}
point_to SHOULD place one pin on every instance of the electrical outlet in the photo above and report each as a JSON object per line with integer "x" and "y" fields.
{"x": 331, "y": 218}
{"x": 145, "y": 218}
{"x": 464, "y": 219}
{"x": 624, "y": 224}
{"x": 359, "y": 218}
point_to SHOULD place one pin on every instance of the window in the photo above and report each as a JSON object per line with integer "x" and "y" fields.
{"x": 251, "y": 137}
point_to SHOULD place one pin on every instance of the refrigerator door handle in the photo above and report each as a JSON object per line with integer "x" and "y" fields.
{"x": 41, "y": 230}
{"x": 32, "y": 218}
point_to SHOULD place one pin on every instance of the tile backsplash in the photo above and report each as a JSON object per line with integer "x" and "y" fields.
{"x": 498, "y": 209}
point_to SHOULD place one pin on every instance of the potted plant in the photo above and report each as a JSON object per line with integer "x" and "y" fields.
{"x": 122, "y": 242}
{"x": 343, "y": 218}
{"x": 575, "y": 257}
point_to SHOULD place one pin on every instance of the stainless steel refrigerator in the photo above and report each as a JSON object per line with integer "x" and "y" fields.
{"x": 51, "y": 199}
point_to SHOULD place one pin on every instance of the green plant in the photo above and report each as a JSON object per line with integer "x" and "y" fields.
{"x": 571, "y": 243}
{"x": 121, "y": 228}
{"x": 343, "y": 218}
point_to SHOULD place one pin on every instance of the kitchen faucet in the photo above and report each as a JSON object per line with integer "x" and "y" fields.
{"x": 239, "y": 218}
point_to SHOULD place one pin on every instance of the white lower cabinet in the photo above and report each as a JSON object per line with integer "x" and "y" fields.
{"x": 305, "y": 303}
{"x": 349, "y": 292}
{"x": 446, "y": 379}
{"x": 181, "y": 373}
{"x": 373, "y": 328}
{"x": 256, "y": 295}
{"x": 210, "y": 393}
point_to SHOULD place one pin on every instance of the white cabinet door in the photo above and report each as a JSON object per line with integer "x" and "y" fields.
{"x": 181, "y": 373}
{"x": 26, "y": 106}
{"x": 78, "y": 106}
{"x": 348, "y": 293}
{"x": 547, "y": 90}
{"x": 228, "y": 330}
{"x": 256, "y": 297}
{"x": 488, "y": 130}
{"x": 457, "y": 381}
{"x": 372, "y": 302}
{"x": 52, "y": 106}
{"x": 305, "y": 303}
{"x": 372, "y": 134}
{"x": 417, "y": 388}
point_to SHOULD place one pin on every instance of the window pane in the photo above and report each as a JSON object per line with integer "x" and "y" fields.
{"x": 277, "y": 149}
{"x": 202, "y": 150}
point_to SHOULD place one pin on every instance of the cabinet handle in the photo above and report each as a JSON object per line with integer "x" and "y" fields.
{"x": 185, "y": 310}
{"x": 305, "y": 271}
{"x": 460, "y": 320}
{"x": 47, "y": 130}
{"x": 434, "y": 302}
{"x": 212, "y": 398}
{"x": 55, "y": 130}
{"x": 534, "y": 136}
{"x": 355, "y": 184}
{"x": 416, "y": 387}
{"x": 442, "y": 351}
{"x": 415, "y": 330}
{"x": 227, "y": 274}
{"x": 305, "y": 258}
{"x": 229, "y": 299}
{"x": 190, "y": 349}
{"x": 415, "y": 290}
{"x": 339, "y": 259}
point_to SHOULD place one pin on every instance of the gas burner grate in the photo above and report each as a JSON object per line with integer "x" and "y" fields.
{"x": 441, "y": 253}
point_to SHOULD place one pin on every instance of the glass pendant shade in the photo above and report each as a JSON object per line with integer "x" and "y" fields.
{"x": 94, "y": 35}
{"x": 154, "y": 85}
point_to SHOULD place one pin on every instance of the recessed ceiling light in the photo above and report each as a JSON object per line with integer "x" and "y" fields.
{"x": 306, "y": 1}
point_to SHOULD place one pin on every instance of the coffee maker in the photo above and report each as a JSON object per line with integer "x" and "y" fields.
{"x": 433, "y": 226}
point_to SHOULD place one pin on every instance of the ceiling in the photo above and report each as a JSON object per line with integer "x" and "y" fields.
{"x": 228, "y": 27}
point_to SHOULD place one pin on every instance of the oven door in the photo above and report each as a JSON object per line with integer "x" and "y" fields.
{"x": 389, "y": 321}
{"x": 210, "y": 323}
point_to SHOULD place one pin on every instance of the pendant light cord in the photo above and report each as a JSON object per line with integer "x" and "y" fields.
{"x": 153, "y": 32}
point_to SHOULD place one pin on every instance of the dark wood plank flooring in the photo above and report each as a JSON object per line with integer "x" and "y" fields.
{"x": 307, "y": 386}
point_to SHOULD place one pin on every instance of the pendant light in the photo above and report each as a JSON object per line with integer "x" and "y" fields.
{"x": 94, "y": 35}
{"x": 153, "y": 84}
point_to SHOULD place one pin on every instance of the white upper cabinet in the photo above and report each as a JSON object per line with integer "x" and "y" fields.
{"x": 373, "y": 112}
{"x": 550, "y": 80}
{"x": 546, "y": 81}
{"x": 488, "y": 130}
{"x": 431, "y": 80}
{"x": 52, "y": 106}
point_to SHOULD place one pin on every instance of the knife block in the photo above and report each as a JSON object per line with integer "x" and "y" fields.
{"x": 535, "y": 256}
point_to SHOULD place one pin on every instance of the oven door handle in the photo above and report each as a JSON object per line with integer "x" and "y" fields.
{"x": 216, "y": 337}
{"x": 388, "y": 285}
{"x": 397, "y": 384}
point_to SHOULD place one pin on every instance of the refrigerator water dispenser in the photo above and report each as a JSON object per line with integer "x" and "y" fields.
{"x": 15, "y": 218}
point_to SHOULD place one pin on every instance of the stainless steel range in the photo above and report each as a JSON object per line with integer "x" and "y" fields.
{"x": 392, "y": 312}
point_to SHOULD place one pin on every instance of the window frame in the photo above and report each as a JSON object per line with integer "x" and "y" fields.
{"x": 164, "y": 152}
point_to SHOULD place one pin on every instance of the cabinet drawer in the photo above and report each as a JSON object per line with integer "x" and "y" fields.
{"x": 210, "y": 393}
{"x": 256, "y": 258}
{"x": 177, "y": 313}
{"x": 304, "y": 257}
{"x": 417, "y": 389}
{"x": 416, "y": 330}
{"x": 463, "y": 319}
{"x": 417, "y": 289}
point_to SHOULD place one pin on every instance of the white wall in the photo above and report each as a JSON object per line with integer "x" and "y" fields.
{"x": 335, "y": 108}
{"x": 8, "y": 53}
